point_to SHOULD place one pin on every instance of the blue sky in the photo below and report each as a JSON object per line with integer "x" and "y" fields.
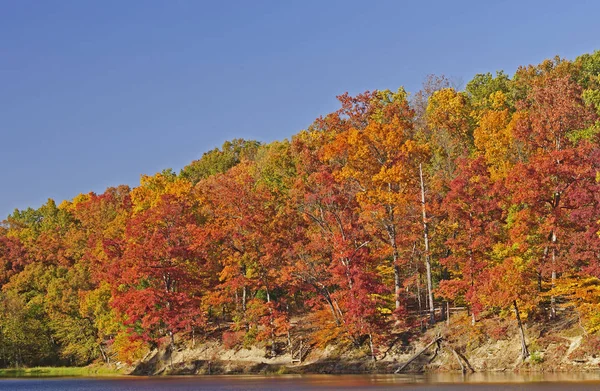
{"x": 95, "y": 93}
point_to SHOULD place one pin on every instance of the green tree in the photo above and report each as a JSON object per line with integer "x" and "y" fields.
{"x": 220, "y": 160}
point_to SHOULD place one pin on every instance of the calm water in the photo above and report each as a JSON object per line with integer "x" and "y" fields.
{"x": 477, "y": 382}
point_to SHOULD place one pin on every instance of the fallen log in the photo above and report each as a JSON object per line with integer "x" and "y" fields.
{"x": 413, "y": 358}
{"x": 466, "y": 362}
{"x": 462, "y": 360}
{"x": 435, "y": 352}
{"x": 456, "y": 356}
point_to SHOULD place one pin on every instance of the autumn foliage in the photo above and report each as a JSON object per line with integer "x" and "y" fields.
{"x": 486, "y": 199}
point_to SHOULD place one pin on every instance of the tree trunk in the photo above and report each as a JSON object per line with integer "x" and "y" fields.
{"x": 419, "y": 293}
{"x": 339, "y": 310}
{"x": 329, "y": 301}
{"x": 397, "y": 286}
{"x": 171, "y": 339}
{"x": 372, "y": 348}
{"x": 105, "y": 358}
{"x": 244, "y": 299}
{"x": 456, "y": 356}
{"x": 418, "y": 275}
{"x": 553, "y": 298}
{"x": 426, "y": 239}
{"x": 391, "y": 231}
{"x": 553, "y": 239}
{"x": 413, "y": 358}
{"x": 524, "y": 350}
{"x": 169, "y": 288}
{"x": 273, "y": 353}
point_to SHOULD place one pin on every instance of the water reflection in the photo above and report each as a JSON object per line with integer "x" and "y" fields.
{"x": 447, "y": 382}
{"x": 512, "y": 377}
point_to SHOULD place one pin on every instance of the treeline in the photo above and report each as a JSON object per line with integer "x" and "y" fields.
{"x": 486, "y": 198}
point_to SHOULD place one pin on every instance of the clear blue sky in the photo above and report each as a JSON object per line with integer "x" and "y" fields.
{"x": 95, "y": 93}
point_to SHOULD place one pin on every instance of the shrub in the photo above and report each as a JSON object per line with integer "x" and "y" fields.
{"x": 232, "y": 339}
{"x": 536, "y": 357}
{"x": 497, "y": 332}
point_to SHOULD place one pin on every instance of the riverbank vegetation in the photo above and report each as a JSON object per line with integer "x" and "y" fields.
{"x": 370, "y": 225}
{"x": 88, "y": 371}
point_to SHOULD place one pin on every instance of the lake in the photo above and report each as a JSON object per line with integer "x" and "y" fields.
{"x": 445, "y": 382}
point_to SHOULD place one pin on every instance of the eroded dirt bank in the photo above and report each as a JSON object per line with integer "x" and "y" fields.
{"x": 490, "y": 345}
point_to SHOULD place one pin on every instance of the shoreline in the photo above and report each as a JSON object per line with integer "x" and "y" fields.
{"x": 329, "y": 368}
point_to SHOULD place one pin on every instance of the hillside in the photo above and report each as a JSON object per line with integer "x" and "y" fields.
{"x": 492, "y": 346}
{"x": 355, "y": 237}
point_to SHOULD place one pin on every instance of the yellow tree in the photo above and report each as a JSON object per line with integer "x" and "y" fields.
{"x": 451, "y": 125}
{"x": 383, "y": 160}
{"x": 153, "y": 188}
{"x": 493, "y": 136}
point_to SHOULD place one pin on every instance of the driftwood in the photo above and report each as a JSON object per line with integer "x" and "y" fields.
{"x": 438, "y": 345}
{"x": 390, "y": 346}
{"x": 457, "y": 357}
{"x": 465, "y": 361}
{"x": 413, "y": 358}
{"x": 461, "y": 359}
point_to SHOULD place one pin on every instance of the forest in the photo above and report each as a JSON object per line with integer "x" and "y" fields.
{"x": 367, "y": 224}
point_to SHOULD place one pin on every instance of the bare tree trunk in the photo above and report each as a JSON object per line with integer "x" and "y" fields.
{"x": 418, "y": 274}
{"x": 462, "y": 360}
{"x": 172, "y": 339}
{"x": 539, "y": 271}
{"x": 339, "y": 310}
{"x": 333, "y": 312}
{"x": 419, "y": 293}
{"x": 244, "y": 293}
{"x": 325, "y": 293}
{"x": 169, "y": 288}
{"x": 413, "y": 358}
{"x": 104, "y": 355}
{"x": 397, "y": 286}
{"x": 391, "y": 231}
{"x": 426, "y": 239}
{"x": 273, "y": 353}
{"x": 553, "y": 298}
{"x": 462, "y": 367}
{"x": 553, "y": 239}
{"x": 414, "y": 263}
{"x": 371, "y": 346}
{"x": 524, "y": 350}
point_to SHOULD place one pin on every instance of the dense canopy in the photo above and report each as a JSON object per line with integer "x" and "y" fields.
{"x": 364, "y": 224}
